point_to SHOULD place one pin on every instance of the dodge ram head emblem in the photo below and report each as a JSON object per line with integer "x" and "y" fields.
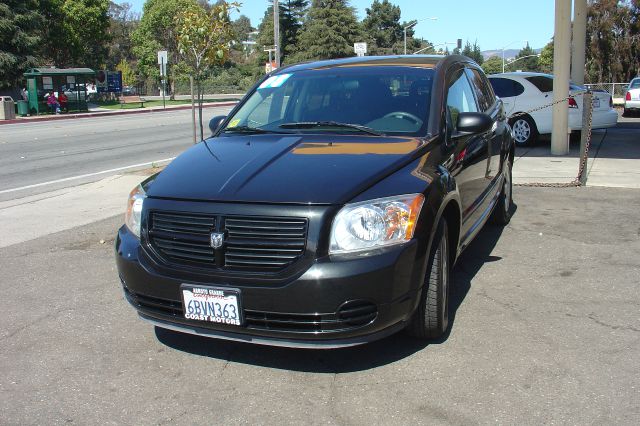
{"x": 217, "y": 239}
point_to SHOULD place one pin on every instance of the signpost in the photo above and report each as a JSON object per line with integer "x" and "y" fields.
{"x": 162, "y": 61}
{"x": 360, "y": 48}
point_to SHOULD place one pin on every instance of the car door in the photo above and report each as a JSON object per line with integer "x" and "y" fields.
{"x": 471, "y": 151}
{"x": 488, "y": 104}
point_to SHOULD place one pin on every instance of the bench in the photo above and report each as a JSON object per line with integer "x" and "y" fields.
{"x": 132, "y": 100}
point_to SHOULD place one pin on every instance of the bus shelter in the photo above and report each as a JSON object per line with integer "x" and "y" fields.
{"x": 70, "y": 81}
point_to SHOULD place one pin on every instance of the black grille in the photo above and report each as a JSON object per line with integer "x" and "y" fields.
{"x": 153, "y": 304}
{"x": 252, "y": 243}
{"x": 183, "y": 238}
{"x": 263, "y": 243}
{"x": 350, "y": 315}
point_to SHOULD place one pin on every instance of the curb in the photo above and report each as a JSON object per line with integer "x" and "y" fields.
{"x": 108, "y": 114}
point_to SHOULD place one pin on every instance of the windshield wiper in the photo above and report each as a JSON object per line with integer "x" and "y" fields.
{"x": 310, "y": 124}
{"x": 246, "y": 129}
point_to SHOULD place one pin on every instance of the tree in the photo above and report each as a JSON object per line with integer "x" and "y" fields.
{"x": 527, "y": 60}
{"x": 613, "y": 40}
{"x": 329, "y": 31}
{"x": 382, "y": 27}
{"x": 472, "y": 52}
{"x": 128, "y": 76}
{"x": 122, "y": 23}
{"x": 19, "y": 39}
{"x": 241, "y": 29}
{"x": 493, "y": 65}
{"x": 292, "y": 13}
{"x": 203, "y": 40}
{"x": 75, "y": 32}
{"x": 155, "y": 32}
{"x": 545, "y": 61}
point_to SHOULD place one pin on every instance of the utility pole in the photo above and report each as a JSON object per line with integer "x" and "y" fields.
{"x": 561, "y": 74}
{"x": 276, "y": 31}
{"x": 579, "y": 41}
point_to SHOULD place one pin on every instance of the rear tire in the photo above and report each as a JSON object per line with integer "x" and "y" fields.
{"x": 524, "y": 129}
{"x": 431, "y": 318}
{"x": 502, "y": 210}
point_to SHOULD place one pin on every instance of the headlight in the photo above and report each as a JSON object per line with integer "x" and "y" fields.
{"x": 133, "y": 216}
{"x": 375, "y": 223}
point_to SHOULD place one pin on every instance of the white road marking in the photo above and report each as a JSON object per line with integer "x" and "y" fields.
{"x": 117, "y": 169}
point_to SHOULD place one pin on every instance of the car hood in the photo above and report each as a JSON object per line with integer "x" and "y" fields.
{"x": 277, "y": 168}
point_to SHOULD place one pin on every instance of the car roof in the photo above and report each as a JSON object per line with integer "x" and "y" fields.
{"x": 422, "y": 61}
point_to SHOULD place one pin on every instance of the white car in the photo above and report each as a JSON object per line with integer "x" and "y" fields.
{"x": 525, "y": 91}
{"x": 632, "y": 97}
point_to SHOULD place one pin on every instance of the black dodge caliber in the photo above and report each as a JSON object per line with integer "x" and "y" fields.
{"x": 327, "y": 209}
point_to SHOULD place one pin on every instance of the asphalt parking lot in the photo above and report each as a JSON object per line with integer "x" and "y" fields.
{"x": 546, "y": 330}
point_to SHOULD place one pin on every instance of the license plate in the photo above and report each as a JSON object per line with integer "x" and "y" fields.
{"x": 596, "y": 103}
{"x": 211, "y": 304}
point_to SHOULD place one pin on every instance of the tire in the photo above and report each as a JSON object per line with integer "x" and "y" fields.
{"x": 431, "y": 318}
{"x": 524, "y": 129}
{"x": 502, "y": 210}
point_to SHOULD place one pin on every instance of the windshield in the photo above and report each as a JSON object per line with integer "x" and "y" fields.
{"x": 635, "y": 84}
{"x": 374, "y": 100}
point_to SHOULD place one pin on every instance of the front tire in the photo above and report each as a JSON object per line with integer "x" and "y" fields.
{"x": 524, "y": 129}
{"x": 502, "y": 210}
{"x": 431, "y": 318}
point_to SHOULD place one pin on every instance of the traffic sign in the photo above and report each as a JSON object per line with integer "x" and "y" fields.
{"x": 360, "y": 48}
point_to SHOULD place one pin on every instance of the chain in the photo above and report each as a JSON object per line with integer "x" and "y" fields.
{"x": 583, "y": 161}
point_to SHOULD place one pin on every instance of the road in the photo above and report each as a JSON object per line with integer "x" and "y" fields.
{"x": 36, "y": 155}
{"x": 546, "y": 331}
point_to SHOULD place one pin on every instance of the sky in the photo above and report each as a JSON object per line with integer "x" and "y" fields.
{"x": 493, "y": 23}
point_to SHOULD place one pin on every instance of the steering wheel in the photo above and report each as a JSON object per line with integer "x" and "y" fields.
{"x": 405, "y": 116}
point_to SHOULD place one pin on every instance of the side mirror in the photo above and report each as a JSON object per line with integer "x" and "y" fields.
{"x": 215, "y": 122}
{"x": 473, "y": 123}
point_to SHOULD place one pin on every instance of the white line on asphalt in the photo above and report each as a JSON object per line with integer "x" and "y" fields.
{"x": 117, "y": 169}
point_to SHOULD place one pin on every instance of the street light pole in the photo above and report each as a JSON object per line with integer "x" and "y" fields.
{"x": 513, "y": 42}
{"x": 524, "y": 57}
{"x": 433, "y": 46}
{"x": 411, "y": 25}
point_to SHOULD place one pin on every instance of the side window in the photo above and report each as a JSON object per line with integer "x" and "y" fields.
{"x": 460, "y": 97}
{"x": 483, "y": 91}
{"x": 506, "y": 88}
{"x": 543, "y": 83}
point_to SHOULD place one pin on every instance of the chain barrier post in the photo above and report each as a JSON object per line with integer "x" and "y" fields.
{"x": 585, "y": 136}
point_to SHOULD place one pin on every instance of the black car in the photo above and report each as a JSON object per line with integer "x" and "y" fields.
{"x": 327, "y": 209}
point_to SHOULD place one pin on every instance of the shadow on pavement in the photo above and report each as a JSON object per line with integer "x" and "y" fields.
{"x": 359, "y": 358}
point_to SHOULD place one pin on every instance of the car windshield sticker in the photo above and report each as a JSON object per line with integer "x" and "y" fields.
{"x": 234, "y": 123}
{"x": 275, "y": 81}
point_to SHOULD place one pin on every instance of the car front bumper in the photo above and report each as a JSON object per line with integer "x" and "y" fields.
{"x": 307, "y": 310}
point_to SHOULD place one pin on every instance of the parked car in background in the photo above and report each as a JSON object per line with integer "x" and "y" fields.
{"x": 525, "y": 91}
{"x": 632, "y": 97}
{"x": 327, "y": 209}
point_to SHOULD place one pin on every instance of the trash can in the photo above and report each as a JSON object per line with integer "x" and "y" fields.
{"x": 23, "y": 108}
{"x": 7, "y": 108}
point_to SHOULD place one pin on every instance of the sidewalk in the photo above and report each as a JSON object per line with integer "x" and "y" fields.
{"x": 103, "y": 112}
{"x": 614, "y": 160}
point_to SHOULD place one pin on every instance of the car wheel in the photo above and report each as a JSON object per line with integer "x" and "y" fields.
{"x": 431, "y": 318}
{"x": 502, "y": 211}
{"x": 524, "y": 129}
